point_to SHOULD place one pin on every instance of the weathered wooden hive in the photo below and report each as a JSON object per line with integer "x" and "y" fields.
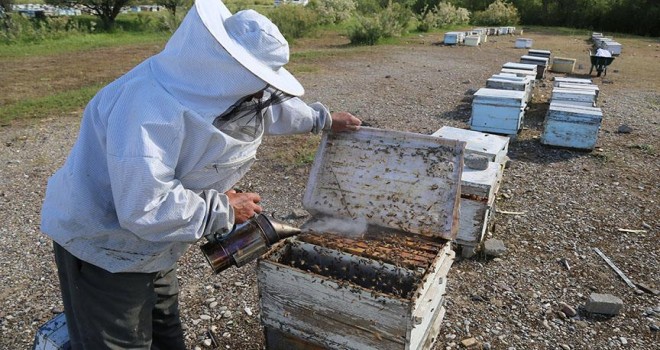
{"x": 472, "y": 40}
{"x": 498, "y": 111}
{"x": 478, "y": 186}
{"x": 571, "y": 126}
{"x": 541, "y": 62}
{"x": 521, "y": 84}
{"x": 454, "y": 38}
{"x": 519, "y": 72}
{"x": 578, "y": 96}
{"x": 540, "y": 53}
{"x": 563, "y": 65}
{"x": 523, "y": 43}
{"x": 559, "y": 80}
{"x": 383, "y": 290}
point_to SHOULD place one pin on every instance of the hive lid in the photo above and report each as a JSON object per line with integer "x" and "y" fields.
{"x": 392, "y": 179}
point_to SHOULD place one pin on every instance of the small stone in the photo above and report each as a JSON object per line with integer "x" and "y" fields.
{"x": 226, "y": 335}
{"x": 565, "y": 346}
{"x": 567, "y": 309}
{"x": 205, "y": 317}
{"x": 494, "y": 247}
{"x": 623, "y": 341}
{"x": 654, "y": 327}
{"x": 248, "y": 311}
{"x": 470, "y": 343}
{"x": 485, "y": 346}
{"x": 207, "y": 342}
{"x": 57, "y": 310}
{"x": 605, "y": 304}
{"x": 624, "y": 129}
{"x": 213, "y": 304}
{"x": 226, "y": 314}
{"x": 297, "y": 214}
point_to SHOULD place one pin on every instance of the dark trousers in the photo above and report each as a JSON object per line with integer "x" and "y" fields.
{"x": 118, "y": 310}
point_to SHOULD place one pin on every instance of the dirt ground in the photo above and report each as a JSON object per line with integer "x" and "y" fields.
{"x": 573, "y": 201}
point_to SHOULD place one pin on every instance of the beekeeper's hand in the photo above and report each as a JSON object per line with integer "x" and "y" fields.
{"x": 344, "y": 121}
{"x": 245, "y": 205}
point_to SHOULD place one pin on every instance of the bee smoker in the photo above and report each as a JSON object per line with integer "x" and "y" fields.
{"x": 246, "y": 242}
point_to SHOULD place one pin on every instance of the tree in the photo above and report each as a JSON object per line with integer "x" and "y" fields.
{"x": 105, "y": 10}
{"x": 171, "y": 5}
{"x": 6, "y": 5}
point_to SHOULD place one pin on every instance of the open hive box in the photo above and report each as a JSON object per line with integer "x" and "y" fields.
{"x": 383, "y": 288}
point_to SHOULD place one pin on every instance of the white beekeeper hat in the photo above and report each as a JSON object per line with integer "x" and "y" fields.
{"x": 253, "y": 40}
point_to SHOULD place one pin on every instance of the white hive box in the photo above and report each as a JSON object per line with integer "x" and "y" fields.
{"x": 453, "y": 38}
{"x": 509, "y": 84}
{"x": 571, "y": 127}
{"x": 581, "y": 96}
{"x": 493, "y": 147}
{"x": 520, "y": 72}
{"x": 53, "y": 335}
{"x": 541, "y": 62}
{"x": 472, "y": 40}
{"x": 563, "y": 65}
{"x": 478, "y": 191}
{"x": 497, "y": 111}
{"x": 524, "y": 43}
{"x": 521, "y": 66}
{"x": 612, "y": 46}
{"x": 558, "y": 80}
{"x": 539, "y": 53}
{"x": 383, "y": 291}
{"x": 587, "y": 87}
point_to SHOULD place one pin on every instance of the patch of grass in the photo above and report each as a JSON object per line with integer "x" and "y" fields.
{"x": 62, "y": 103}
{"x": 646, "y": 148}
{"x": 81, "y": 42}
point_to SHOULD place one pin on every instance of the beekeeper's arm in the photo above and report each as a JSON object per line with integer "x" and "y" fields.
{"x": 294, "y": 116}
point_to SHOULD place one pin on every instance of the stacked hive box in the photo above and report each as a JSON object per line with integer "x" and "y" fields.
{"x": 506, "y": 81}
{"x": 454, "y": 38}
{"x": 381, "y": 291}
{"x": 541, "y": 62}
{"x": 478, "y": 186}
{"x": 606, "y": 43}
{"x": 572, "y": 121}
{"x": 523, "y": 43}
{"x": 498, "y": 111}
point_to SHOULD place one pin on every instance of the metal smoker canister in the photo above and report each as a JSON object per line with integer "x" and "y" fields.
{"x": 246, "y": 242}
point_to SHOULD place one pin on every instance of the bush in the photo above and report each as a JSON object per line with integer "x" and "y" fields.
{"x": 333, "y": 11}
{"x": 367, "y": 31}
{"x": 15, "y": 28}
{"x": 499, "y": 13}
{"x": 294, "y": 21}
{"x": 389, "y": 22}
{"x": 443, "y": 14}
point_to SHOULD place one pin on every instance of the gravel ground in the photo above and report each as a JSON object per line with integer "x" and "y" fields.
{"x": 572, "y": 201}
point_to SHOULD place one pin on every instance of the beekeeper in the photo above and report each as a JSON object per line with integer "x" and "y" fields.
{"x": 158, "y": 153}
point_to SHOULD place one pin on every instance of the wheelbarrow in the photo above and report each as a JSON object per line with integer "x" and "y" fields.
{"x": 600, "y": 63}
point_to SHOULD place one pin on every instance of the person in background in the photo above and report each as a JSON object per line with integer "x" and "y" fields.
{"x": 153, "y": 167}
{"x": 603, "y": 53}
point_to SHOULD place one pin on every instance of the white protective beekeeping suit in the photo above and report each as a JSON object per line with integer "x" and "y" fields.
{"x": 147, "y": 174}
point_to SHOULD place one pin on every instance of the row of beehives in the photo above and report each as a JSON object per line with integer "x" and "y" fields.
{"x": 573, "y": 120}
{"x": 476, "y": 36}
{"x": 607, "y": 43}
{"x": 500, "y": 106}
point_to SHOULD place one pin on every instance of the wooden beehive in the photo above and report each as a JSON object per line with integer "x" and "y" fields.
{"x": 559, "y": 80}
{"x": 541, "y": 62}
{"x": 381, "y": 291}
{"x": 563, "y": 65}
{"x": 579, "y": 96}
{"x": 493, "y": 147}
{"x": 523, "y": 43}
{"x": 497, "y": 111}
{"x": 571, "y": 127}
{"x": 540, "y": 53}
{"x": 478, "y": 187}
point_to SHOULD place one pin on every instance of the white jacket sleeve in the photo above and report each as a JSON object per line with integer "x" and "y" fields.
{"x": 294, "y": 116}
{"x": 148, "y": 199}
